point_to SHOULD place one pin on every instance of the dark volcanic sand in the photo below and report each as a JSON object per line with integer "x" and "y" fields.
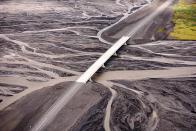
{"x": 44, "y": 45}
{"x": 172, "y": 99}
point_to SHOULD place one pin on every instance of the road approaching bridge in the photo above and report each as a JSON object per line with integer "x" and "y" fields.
{"x": 52, "y": 112}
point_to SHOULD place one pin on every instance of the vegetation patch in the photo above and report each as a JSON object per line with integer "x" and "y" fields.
{"x": 185, "y": 21}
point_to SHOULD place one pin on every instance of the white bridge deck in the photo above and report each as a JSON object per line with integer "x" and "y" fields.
{"x": 100, "y": 62}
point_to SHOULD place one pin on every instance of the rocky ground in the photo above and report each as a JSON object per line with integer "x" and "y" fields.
{"x": 46, "y": 45}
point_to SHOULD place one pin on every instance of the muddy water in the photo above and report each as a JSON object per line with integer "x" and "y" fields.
{"x": 109, "y": 105}
{"x": 145, "y": 74}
